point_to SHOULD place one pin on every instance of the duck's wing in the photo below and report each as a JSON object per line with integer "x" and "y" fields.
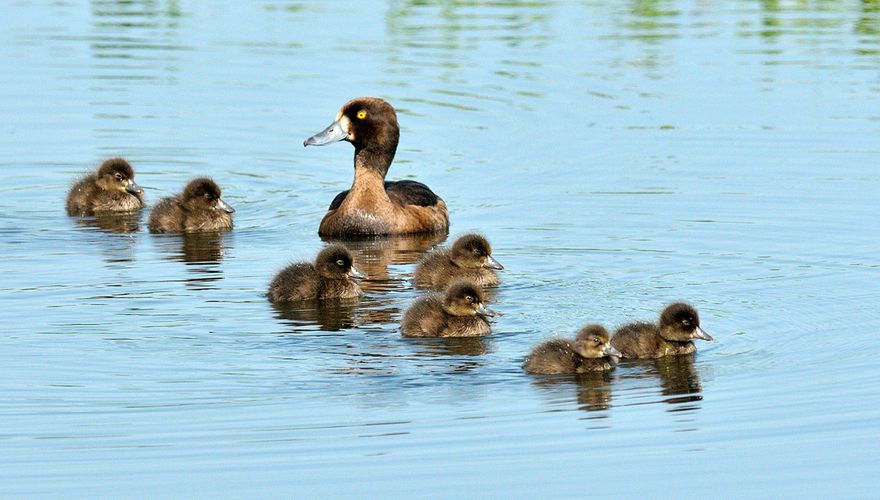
{"x": 400, "y": 192}
{"x": 411, "y": 193}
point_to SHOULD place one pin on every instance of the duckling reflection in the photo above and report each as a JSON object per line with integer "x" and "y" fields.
{"x": 677, "y": 375}
{"x": 454, "y": 346}
{"x": 375, "y": 255}
{"x": 110, "y": 189}
{"x": 201, "y": 252}
{"x": 470, "y": 257}
{"x": 113, "y": 222}
{"x": 671, "y": 336}
{"x": 593, "y": 389}
{"x": 331, "y": 315}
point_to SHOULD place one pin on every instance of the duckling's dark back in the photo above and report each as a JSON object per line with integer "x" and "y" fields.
{"x": 295, "y": 283}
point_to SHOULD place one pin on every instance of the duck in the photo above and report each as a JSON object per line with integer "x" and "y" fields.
{"x": 330, "y": 277}
{"x": 374, "y": 206}
{"x": 679, "y": 324}
{"x": 199, "y": 208}
{"x": 457, "y": 312}
{"x": 110, "y": 189}
{"x": 470, "y": 257}
{"x": 590, "y": 351}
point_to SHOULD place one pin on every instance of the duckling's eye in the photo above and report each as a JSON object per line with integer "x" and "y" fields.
{"x": 596, "y": 340}
{"x": 468, "y": 298}
{"x": 118, "y": 176}
{"x": 361, "y": 114}
{"x": 686, "y": 322}
{"x": 340, "y": 263}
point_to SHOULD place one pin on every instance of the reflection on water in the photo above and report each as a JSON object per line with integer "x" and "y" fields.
{"x": 592, "y": 390}
{"x": 677, "y": 376}
{"x": 201, "y": 252}
{"x": 124, "y": 223}
{"x": 373, "y": 256}
{"x": 452, "y": 346}
{"x": 328, "y": 315}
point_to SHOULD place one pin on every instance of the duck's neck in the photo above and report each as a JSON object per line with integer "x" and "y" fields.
{"x": 370, "y": 166}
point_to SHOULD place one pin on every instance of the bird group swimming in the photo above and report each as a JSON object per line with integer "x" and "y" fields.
{"x": 455, "y": 278}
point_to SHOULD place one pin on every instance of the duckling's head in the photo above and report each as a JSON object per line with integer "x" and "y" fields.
{"x": 473, "y": 251}
{"x": 593, "y": 341}
{"x": 204, "y": 194}
{"x": 680, "y": 322}
{"x": 465, "y": 298}
{"x": 335, "y": 262}
{"x": 116, "y": 174}
{"x": 366, "y": 122}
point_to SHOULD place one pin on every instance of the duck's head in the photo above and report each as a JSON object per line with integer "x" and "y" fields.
{"x": 465, "y": 298}
{"x": 473, "y": 251}
{"x": 116, "y": 174}
{"x": 335, "y": 262}
{"x": 593, "y": 341}
{"x": 204, "y": 194}
{"x": 366, "y": 122}
{"x": 680, "y": 322}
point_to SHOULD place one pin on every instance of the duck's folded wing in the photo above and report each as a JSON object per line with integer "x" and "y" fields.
{"x": 400, "y": 192}
{"x": 411, "y": 193}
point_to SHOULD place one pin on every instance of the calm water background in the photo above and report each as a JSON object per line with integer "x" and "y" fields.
{"x": 619, "y": 155}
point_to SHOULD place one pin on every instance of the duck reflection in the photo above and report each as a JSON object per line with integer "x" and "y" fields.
{"x": 374, "y": 255}
{"x": 121, "y": 223}
{"x": 593, "y": 390}
{"x": 679, "y": 379}
{"x": 201, "y": 252}
{"x": 330, "y": 315}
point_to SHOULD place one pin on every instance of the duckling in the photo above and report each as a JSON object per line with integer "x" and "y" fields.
{"x": 470, "y": 257}
{"x": 198, "y": 208}
{"x": 374, "y": 206}
{"x": 589, "y": 351}
{"x": 110, "y": 189}
{"x": 459, "y": 312}
{"x": 330, "y": 277}
{"x": 679, "y": 324}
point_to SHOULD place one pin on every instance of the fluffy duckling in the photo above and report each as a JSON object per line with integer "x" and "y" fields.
{"x": 589, "y": 351}
{"x": 374, "y": 206}
{"x": 330, "y": 277}
{"x": 198, "y": 208}
{"x": 459, "y": 312}
{"x": 679, "y": 324}
{"x": 110, "y": 189}
{"x": 470, "y": 257}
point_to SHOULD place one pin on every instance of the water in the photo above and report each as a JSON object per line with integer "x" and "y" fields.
{"x": 619, "y": 156}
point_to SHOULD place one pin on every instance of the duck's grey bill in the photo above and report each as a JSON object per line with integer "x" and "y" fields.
{"x": 491, "y": 263}
{"x": 333, "y": 133}
{"x": 354, "y": 273}
{"x": 222, "y": 205}
{"x": 611, "y": 351}
{"x": 482, "y": 311}
{"x": 133, "y": 188}
{"x": 699, "y": 333}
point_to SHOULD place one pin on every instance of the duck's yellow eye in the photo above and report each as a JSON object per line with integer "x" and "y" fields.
{"x": 361, "y": 114}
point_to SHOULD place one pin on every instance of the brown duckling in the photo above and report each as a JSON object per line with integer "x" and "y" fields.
{"x": 374, "y": 206}
{"x": 330, "y": 277}
{"x": 110, "y": 189}
{"x": 198, "y": 208}
{"x": 679, "y": 324}
{"x": 589, "y": 351}
{"x": 459, "y": 312}
{"x": 470, "y": 257}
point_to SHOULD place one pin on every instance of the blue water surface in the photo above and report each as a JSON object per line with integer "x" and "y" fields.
{"x": 618, "y": 155}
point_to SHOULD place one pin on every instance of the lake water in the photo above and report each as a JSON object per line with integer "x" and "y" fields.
{"x": 619, "y": 155}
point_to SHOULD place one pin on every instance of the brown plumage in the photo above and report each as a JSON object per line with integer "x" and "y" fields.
{"x": 198, "y": 208}
{"x": 110, "y": 189}
{"x": 459, "y": 312}
{"x": 330, "y": 277}
{"x": 470, "y": 257}
{"x": 373, "y": 206}
{"x": 589, "y": 351}
{"x": 678, "y": 325}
